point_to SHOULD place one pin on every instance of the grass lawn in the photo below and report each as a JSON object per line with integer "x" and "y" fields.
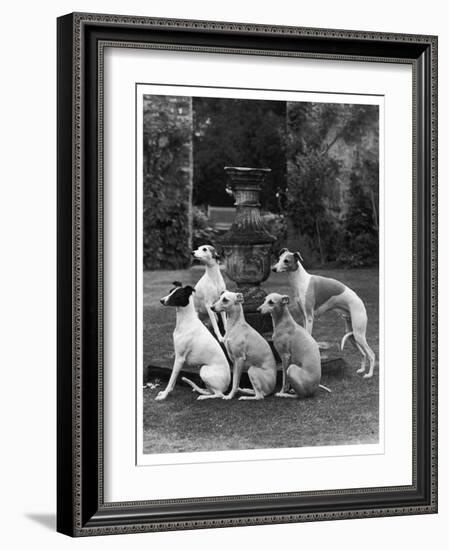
{"x": 350, "y": 414}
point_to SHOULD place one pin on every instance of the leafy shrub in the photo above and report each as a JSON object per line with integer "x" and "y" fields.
{"x": 203, "y": 233}
{"x": 312, "y": 172}
{"x": 166, "y": 217}
{"x": 361, "y": 235}
{"x": 276, "y": 225}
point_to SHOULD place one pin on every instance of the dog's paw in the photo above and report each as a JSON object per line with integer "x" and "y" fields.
{"x": 359, "y": 371}
{"x": 368, "y": 375}
{"x": 161, "y": 396}
{"x": 227, "y": 397}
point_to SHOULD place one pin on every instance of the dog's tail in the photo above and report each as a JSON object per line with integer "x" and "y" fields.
{"x": 195, "y": 387}
{"x": 345, "y": 337}
{"x": 325, "y": 388}
{"x": 247, "y": 391}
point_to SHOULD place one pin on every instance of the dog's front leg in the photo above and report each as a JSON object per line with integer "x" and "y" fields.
{"x": 179, "y": 361}
{"x": 224, "y": 320}
{"x": 285, "y": 358}
{"x": 236, "y": 375}
{"x": 213, "y": 320}
{"x": 301, "y": 313}
{"x": 309, "y": 322}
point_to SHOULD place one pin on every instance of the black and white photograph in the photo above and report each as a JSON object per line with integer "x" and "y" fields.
{"x": 259, "y": 268}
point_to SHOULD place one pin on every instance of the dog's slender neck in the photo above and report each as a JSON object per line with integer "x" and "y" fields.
{"x": 186, "y": 314}
{"x": 213, "y": 269}
{"x": 298, "y": 275}
{"x": 235, "y": 316}
{"x": 281, "y": 316}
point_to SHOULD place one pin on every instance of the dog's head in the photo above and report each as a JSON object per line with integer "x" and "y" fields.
{"x": 178, "y": 296}
{"x": 288, "y": 261}
{"x": 273, "y": 302}
{"x": 227, "y": 301}
{"x": 206, "y": 254}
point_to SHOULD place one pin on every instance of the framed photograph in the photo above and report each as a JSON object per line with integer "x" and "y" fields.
{"x": 247, "y": 274}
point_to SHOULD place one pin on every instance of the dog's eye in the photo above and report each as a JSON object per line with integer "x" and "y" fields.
{"x": 270, "y": 302}
{"x": 204, "y": 249}
{"x": 285, "y": 261}
{"x": 225, "y": 300}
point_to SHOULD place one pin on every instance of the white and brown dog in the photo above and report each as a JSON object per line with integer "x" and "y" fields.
{"x": 315, "y": 295}
{"x": 210, "y": 286}
{"x": 299, "y": 353}
{"x": 247, "y": 349}
{"x": 195, "y": 346}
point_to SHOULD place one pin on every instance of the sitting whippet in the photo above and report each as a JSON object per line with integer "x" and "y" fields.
{"x": 247, "y": 349}
{"x": 315, "y": 295}
{"x": 300, "y": 355}
{"x": 210, "y": 286}
{"x": 195, "y": 346}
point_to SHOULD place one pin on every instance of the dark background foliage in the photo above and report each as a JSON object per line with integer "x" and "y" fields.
{"x": 166, "y": 220}
{"x": 325, "y": 143}
{"x": 321, "y": 196}
{"x": 237, "y": 132}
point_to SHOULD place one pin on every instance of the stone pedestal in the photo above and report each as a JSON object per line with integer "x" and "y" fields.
{"x": 246, "y": 247}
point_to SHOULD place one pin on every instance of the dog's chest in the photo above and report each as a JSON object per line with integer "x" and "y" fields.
{"x": 208, "y": 289}
{"x": 191, "y": 351}
{"x": 281, "y": 342}
{"x": 235, "y": 344}
{"x": 300, "y": 287}
{"x": 184, "y": 338}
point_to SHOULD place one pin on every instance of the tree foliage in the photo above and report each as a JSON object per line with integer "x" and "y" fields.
{"x": 166, "y": 228}
{"x": 313, "y": 193}
{"x": 360, "y": 246}
{"x": 237, "y": 132}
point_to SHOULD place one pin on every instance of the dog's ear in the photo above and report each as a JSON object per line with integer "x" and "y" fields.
{"x": 176, "y": 283}
{"x": 239, "y": 298}
{"x": 282, "y": 251}
{"x": 214, "y": 253}
{"x": 285, "y": 299}
{"x": 297, "y": 256}
{"x": 189, "y": 290}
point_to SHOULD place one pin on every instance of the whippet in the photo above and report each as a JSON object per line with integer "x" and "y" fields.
{"x": 315, "y": 295}
{"x": 210, "y": 286}
{"x": 247, "y": 350}
{"x": 195, "y": 346}
{"x": 300, "y": 355}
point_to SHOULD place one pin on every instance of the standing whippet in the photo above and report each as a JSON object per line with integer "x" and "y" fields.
{"x": 316, "y": 295}
{"x": 195, "y": 346}
{"x": 247, "y": 350}
{"x": 210, "y": 286}
{"x": 300, "y": 355}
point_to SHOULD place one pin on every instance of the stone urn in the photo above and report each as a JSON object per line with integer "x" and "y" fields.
{"x": 247, "y": 246}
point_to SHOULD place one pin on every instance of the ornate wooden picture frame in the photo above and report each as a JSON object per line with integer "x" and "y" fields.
{"x": 81, "y": 507}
